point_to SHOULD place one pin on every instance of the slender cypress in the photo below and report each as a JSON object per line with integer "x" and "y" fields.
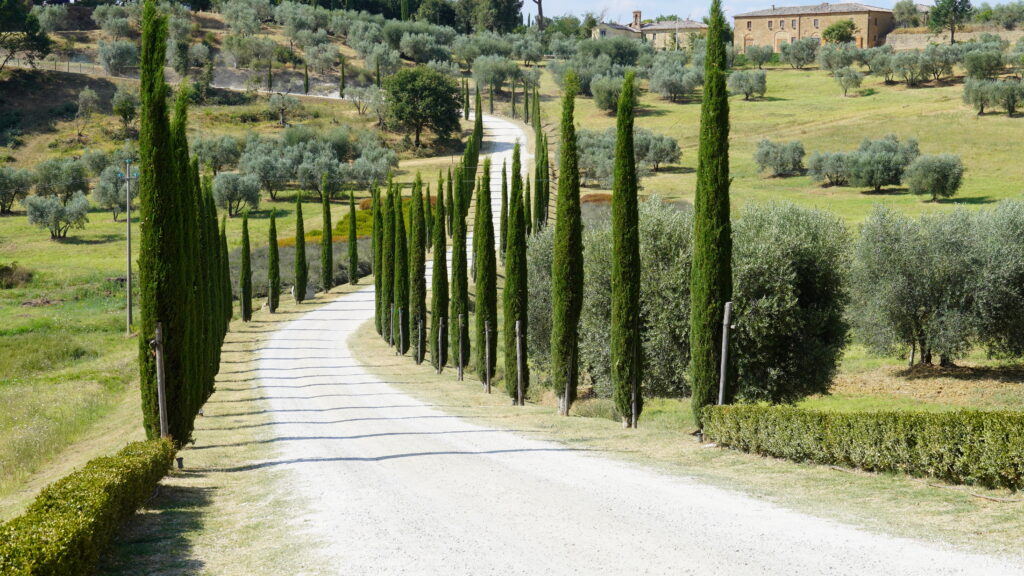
{"x": 711, "y": 275}
{"x": 515, "y": 295}
{"x": 526, "y": 208}
{"x": 417, "y": 271}
{"x": 225, "y": 275}
{"x": 526, "y": 103}
{"x": 326, "y": 239}
{"x": 378, "y": 259}
{"x": 626, "y": 359}
{"x": 301, "y": 266}
{"x": 465, "y": 99}
{"x": 387, "y": 253}
{"x": 451, "y": 203}
{"x": 567, "y": 262}
{"x": 245, "y": 275}
{"x": 305, "y": 79}
{"x": 428, "y": 218}
{"x": 503, "y": 224}
{"x": 459, "y": 304}
{"x": 273, "y": 266}
{"x": 439, "y": 291}
{"x": 401, "y": 278}
{"x": 341, "y": 79}
{"x": 486, "y": 315}
{"x": 353, "y": 242}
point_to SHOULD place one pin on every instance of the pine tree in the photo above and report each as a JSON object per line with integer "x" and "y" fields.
{"x": 305, "y": 79}
{"x": 711, "y": 275}
{"x": 353, "y": 242}
{"x": 503, "y": 224}
{"x": 378, "y": 259}
{"x": 301, "y": 266}
{"x": 273, "y": 266}
{"x": 626, "y": 360}
{"x": 567, "y": 262}
{"x": 459, "y": 305}
{"x": 439, "y": 292}
{"x": 417, "y": 271}
{"x": 486, "y": 314}
{"x": 515, "y": 295}
{"x": 387, "y": 252}
{"x": 401, "y": 278}
{"x": 245, "y": 275}
{"x": 326, "y": 239}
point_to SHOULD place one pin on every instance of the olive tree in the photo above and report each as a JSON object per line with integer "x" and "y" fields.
{"x": 999, "y": 283}
{"x": 56, "y": 215}
{"x": 799, "y": 54}
{"x": 14, "y": 186}
{"x": 265, "y": 160}
{"x": 759, "y": 55}
{"x": 938, "y": 175}
{"x": 88, "y": 104}
{"x": 780, "y": 158}
{"x": 232, "y": 191}
{"x": 281, "y": 105}
{"x": 983, "y": 64}
{"x": 606, "y": 91}
{"x": 110, "y": 191}
{"x": 750, "y": 83}
{"x": 217, "y": 153}
{"x": 878, "y": 163}
{"x": 118, "y": 57}
{"x": 848, "y": 78}
{"x": 61, "y": 177}
{"x": 830, "y": 168}
{"x": 126, "y": 106}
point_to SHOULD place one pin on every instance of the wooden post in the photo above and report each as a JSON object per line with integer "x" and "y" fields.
{"x": 157, "y": 345}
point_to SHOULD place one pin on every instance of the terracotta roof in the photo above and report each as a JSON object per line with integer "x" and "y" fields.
{"x": 674, "y": 25}
{"x": 824, "y": 8}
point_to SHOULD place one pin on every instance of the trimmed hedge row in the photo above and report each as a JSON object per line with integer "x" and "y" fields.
{"x": 73, "y": 520}
{"x": 964, "y": 447}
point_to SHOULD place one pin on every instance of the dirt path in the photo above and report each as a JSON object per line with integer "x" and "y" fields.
{"x": 396, "y": 486}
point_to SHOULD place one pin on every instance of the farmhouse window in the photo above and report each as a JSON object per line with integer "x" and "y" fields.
{"x": 749, "y": 24}
{"x": 782, "y": 24}
{"x": 815, "y": 22}
{"x": 792, "y": 24}
{"x": 769, "y": 24}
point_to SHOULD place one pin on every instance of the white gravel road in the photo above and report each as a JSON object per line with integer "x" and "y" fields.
{"x": 396, "y": 486}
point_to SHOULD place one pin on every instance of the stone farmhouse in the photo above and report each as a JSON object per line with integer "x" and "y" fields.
{"x": 785, "y": 24}
{"x": 668, "y": 35}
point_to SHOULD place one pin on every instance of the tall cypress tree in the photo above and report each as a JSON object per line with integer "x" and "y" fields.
{"x": 626, "y": 358}
{"x": 459, "y": 305}
{"x": 305, "y": 79}
{"x": 341, "y": 78}
{"x": 567, "y": 262}
{"x": 326, "y": 239}
{"x": 526, "y": 208}
{"x": 451, "y": 203}
{"x": 486, "y": 314}
{"x": 273, "y": 266}
{"x": 378, "y": 259}
{"x": 227, "y": 290}
{"x": 401, "y": 277}
{"x": 301, "y": 266}
{"x": 387, "y": 280}
{"x": 515, "y": 295}
{"x": 711, "y": 275}
{"x": 417, "y": 271}
{"x": 353, "y": 242}
{"x": 503, "y": 223}
{"x": 439, "y": 291}
{"x": 428, "y": 218}
{"x": 245, "y": 275}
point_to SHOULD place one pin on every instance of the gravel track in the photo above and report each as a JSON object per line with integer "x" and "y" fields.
{"x": 396, "y": 486}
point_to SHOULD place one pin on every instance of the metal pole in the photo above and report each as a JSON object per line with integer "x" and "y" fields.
{"x": 460, "y": 347}
{"x": 487, "y": 356}
{"x": 157, "y": 345}
{"x": 725, "y": 353}
{"x": 128, "y": 225}
{"x": 519, "y": 364}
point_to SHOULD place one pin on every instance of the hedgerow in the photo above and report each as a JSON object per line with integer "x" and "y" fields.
{"x": 962, "y": 447}
{"x": 71, "y": 522}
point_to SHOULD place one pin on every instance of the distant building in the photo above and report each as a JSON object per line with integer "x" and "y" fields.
{"x": 666, "y": 35}
{"x": 786, "y": 24}
{"x": 923, "y": 11}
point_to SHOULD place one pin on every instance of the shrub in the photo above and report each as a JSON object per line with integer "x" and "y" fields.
{"x": 14, "y": 276}
{"x": 118, "y": 57}
{"x": 830, "y": 168}
{"x": 1010, "y": 94}
{"x": 800, "y": 53}
{"x": 839, "y": 32}
{"x": 759, "y": 55}
{"x": 939, "y": 175}
{"x": 73, "y": 520}
{"x": 963, "y": 447}
{"x": 832, "y": 57}
{"x": 783, "y": 159}
{"x": 55, "y": 215}
{"x": 750, "y": 83}
{"x": 596, "y": 150}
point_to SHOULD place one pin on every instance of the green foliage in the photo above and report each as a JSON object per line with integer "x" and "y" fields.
{"x": 61, "y": 177}
{"x": 983, "y": 64}
{"x": 750, "y": 83}
{"x": 906, "y": 15}
{"x": 422, "y": 97}
{"x": 326, "y": 240}
{"x": 516, "y": 296}
{"x": 458, "y": 312}
{"x": 378, "y": 260}
{"x": 14, "y": 186}
{"x": 387, "y": 269}
{"x": 672, "y": 78}
{"x": 848, "y": 78}
{"x": 486, "y": 312}
{"x": 963, "y": 447}
{"x": 834, "y": 56}
{"x": 781, "y": 158}
{"x": 938, "y": 175}
{"x": 949, "y": 15}
{"x": 417, "y": 271}
{"x": 245, "y": 279}
{"x": 217, "y": 153}
{"x": 596, "y": 149}
{"x": 999, "y": 284}
{"x": 801, "y": 53}
{"x": 125, "y": 106}
{"x": 830, "y": 168}
{"x": 606, "y": 91}
{"x": 273, "y": 266}
{"x": 839, "y": 32}
{"x": 301, "y": 265}
{"x": 56, "y": 216}
{"x": 503, "y": 223}
{"x": 439, "y": 288}
{"x": 119, "y": 57}
{"x": 759, "y": 55}
{"x": 23, "y": 34}
{"x": 878, "y": 163}
{"x": 353, "y": 253}
{"x": 400, "y": 295}
{"x": 711, "y": 278}
{"x": 68, "y": 526}
{"x": 233, "y": 192}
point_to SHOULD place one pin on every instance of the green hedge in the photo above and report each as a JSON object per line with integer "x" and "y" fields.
{"x": 71, "y": 522}
{"x": 964, "y": 447}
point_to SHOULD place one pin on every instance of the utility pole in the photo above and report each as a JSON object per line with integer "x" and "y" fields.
{"x": 725, "y": 352}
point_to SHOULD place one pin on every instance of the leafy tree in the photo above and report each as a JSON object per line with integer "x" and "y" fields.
{"x": 264, "y": 159}
{"x": 672, "y": 80}
{"x": 800, "y": 53}
{"x": 839, "y": 32}
{"x": 273, "y": 266}
{"x": 836, "y": 56}
{"x": 879, "y": 61}
{"x": 938, "y": 60}
{"x": 301, "y": 265}
{"x": 881, "y": 162}
{"x": 567, "y": 277}
{"x": 711, "y": 279}
{"x": 781, "y": 158}
{"x": 998, "y": 290}
{"x": 423, "y": 98}
{"x": 245, "y": 276}
{"x": 423, "y": 48}
{"x": 232, "y": 191}
{"x": 1010, "y": 94}
{"x": 492, "y": 71}
{"x": 500, "y": 16}
{"x": 486, "y": 313}
{"x": 57, "y": 216}
{"x": 759, "y": 55}
{"x": 983, "y": 64}
{"x": 326, "y": 239}
{"x": 21, "y": 33}
{"x": 126, "y": 106}
{"x": 830, "y": 168}
{"x": 515, "y": 296}
{"x": 939, "y": 175}
{"x": 88, "y": 104}
{"x": 980, "y": 94}
{"x": 51, "y": 18}
{"x": 907, "y": 65}
{"x": 110, "y": 191}
{"x": 118, "y": 57}
{"x": 217, "y": 153}
{"x": 353, "y": 246}
{"x": 750, "y": 83}
{"x": 282, "y": 105}
{"x": 241, "y": 17}
{"x": 606, "y": 91}
{"x": 14, "y": 186}
{"x": 949, "y": 15}
{"x": 61, "y": 177}
{"x": 439, "y": 290}
{"x": 906, "y": 15}
{"x": 848, "y": 78}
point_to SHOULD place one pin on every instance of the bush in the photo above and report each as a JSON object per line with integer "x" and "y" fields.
{"x": 964, "y": 447}
{"x": 606, "y": 90}
{"x": 783, "y": 159}
{"x": 118, "y": 57}
{"x": 14, "y": 276}
{"x": 55, "y": 215}
{"x": 597, "y": 148}
{"x": 750, "y": 83}
{"x": 73, "y": 520}
{"x": 1010, "y": 94}
{"x": 939, "y": 175}
{"x": 980, "y": 94}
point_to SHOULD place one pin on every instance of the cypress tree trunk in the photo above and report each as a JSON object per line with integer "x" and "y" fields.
{"x": 515, "y": 294}
{"x": 326, "y": 239}
{"x": 245, "y": 276}
{"x": 451, "y": 203}
{"x": 428, "y": 219}
{"x": 225, "y": 275}
{"x": 567, "y": 263}
{"x": 503, "y": 224}
{"x": 305, "y": 79}
{"x": 439, "y": 291}
{"x": 417, "y": 272}
{"x": 401, "y": 278}
{"x": 273, "y": 266}
{"x": 711, "y": 275}
{"x": 486, "y": 315}
{"x": 459, "y": 306}
{"x": 301, "y": 266}
{"x": 626, "y": 360}
{"x": 270, "y": 76}
{"x": 341, "y": 79}
{"x": 353, "y": 242}
{"x": 378, "y": 259}
{"x": 526, "y": 103}
{"x": 526, "y": 208}
{"x": 387, "y": 252}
